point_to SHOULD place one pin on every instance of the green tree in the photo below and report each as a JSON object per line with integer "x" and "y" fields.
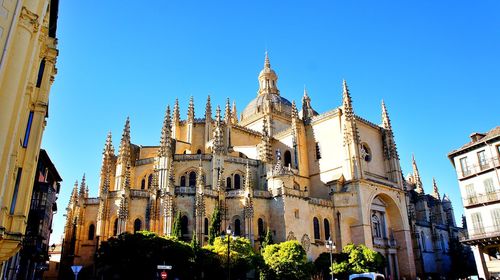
{"x": 214, "y": 228}
{"x": 286, "y": 260}
{"x": 268, "y": 238}
{"x": 176, "y": 228}
{"x": 242, "y": 258}
{"x": 135, "y": 256}
{"x": 358, "y": 259}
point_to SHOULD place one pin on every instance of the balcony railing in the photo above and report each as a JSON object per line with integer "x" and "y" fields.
{"x": 483, "y": 232}
{"x": 479, "y": 167}
{"x": 482, "y": 198}
{"x": 384, "y": 242}
{"x": 139, "y": 193}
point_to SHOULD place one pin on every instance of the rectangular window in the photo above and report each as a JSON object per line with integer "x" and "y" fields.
{"x": 464, "y": 166}
{"x": 16, "y": 190}
{"x": 481, "y": 157}
{"x": 495, "y": 217}
{"x": 40, "y": 73}
{"x": 490, "y": 189}
{"x": 471, "y": 194}
{"x": 318, "y": 151}
{"x": 28, "y": 130}
{"x": 477, "y": 223}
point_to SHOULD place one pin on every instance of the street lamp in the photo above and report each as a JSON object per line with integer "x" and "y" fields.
{"x": 228, "y": 232}
{"x": 330, "y": 245}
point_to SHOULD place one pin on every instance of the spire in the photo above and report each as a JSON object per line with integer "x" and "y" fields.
{"x": 82, "y": 187}
{"x": 347, "y": 102}
{"x": 386, "y": 122}
{"x": 108, "y": 147}
{"x": 268, "y": 80}
{"x": 267, "y": 63}
{"x": 124, "y": 152}
{"x": 248, "y": 182}
{"x": 74, "y": 194}
{"x": 265, "y": 150}
{"x": 166, "y": 134}
{"x": 307, "y": 110}
{"x": 295, "y": 113}
{"x": 218, "y": 137}
{"x": 208, "y": 110}
{"x": 416, "y": 177}
{"x": 227, "y": 112}
{"x": 234, "y": 115}
{"x": 177, "y": 114}
{"x": 435, "y": 190}
{"x": 190, "y": 113}
{"x": 107, "y": 157}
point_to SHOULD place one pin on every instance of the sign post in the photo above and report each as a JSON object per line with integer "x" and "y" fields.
{"x": 164, "y": 267}
{"x": 76, "y": 269}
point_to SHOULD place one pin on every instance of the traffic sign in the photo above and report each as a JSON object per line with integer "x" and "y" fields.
{"x": 163, "y": 275}
{"x": 160, "y": 266}
{"x": 76, "y": 269}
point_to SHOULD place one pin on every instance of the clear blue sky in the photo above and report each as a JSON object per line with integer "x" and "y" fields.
{"x": 435, "y": 63}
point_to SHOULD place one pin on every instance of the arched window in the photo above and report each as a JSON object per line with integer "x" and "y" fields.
{"x": 316, "y": 228}
{"x": 183, "y": 181}
{"x": 137, "y": 225}
{"x": 91, "y": 232}
{"x": 228, "y": 182}
{"x": 184, "y": 225}
{"x": 327, "y": 229}
{"x": 237, "y": 181}
{"x": 198, "y": 152}
{"x": 115, "y": 227}
{"x": 366, "y": 153}
{"x": 192, "y": 179}
{"x": 205, "y": 228}
{"x": 143, "y": 184}
{"x": 260, "y": 227}
{"x": 441, "y": 239}
{"x": 150, "y": 180}
{"x": 376, "y": 227}
{"x": 288, "y": 158}
{"x": 237, "y": 227}
{"x": 422, "y": 236}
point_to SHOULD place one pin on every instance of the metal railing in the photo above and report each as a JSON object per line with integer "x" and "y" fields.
{"x": 479, "y": 167}
{"x": 482, "y": 198}
{"x": 482, "y": 232}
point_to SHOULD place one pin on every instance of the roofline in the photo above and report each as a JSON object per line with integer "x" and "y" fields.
{"x": 51, "y": 164}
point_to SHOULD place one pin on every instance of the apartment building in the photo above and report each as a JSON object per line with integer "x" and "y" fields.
{"x": 477, "y": 165}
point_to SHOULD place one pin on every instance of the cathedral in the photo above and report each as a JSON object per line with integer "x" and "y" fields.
{"x": 304, "y": 175}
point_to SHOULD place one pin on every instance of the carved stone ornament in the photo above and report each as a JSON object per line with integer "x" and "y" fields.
{"x": 306, "y": 242}
{"x": 291, "y": 236}
{"x": 29, "y": 20}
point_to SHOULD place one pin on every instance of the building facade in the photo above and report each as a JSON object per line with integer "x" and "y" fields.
{"x": 433, "y": 226}
{"x": 478, "y": 167}
{"x": 27, "y": 70}
{"x": 307, "y": 176}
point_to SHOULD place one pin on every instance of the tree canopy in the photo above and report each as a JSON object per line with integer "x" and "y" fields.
{"x": 214, "y": 228}
{"x": 358, "y": 259}
{"x": 286, "y": 260}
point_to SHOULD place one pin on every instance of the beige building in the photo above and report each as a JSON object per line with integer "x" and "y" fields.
{"x": 478, "y": 167}
{"x": 307, "y": 176}
{"x": 27, "y": 70}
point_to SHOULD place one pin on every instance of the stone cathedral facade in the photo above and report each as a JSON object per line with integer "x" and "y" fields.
{"x": 304, "y": 175}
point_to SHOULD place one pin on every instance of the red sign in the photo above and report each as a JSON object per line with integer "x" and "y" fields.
{"x": 163, "y": 275}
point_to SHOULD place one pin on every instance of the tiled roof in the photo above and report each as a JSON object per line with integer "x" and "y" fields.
{"x": 489, "y": 135}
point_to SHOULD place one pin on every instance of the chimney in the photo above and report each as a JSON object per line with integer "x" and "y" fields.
{"x": 476, "y": 136}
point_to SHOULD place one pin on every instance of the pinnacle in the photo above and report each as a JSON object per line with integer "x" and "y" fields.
{"x": 208, "y": 109}
{"x": 267, "y": 63}
{"x": 386, "y": 121}
{"x": 227, "y": 112}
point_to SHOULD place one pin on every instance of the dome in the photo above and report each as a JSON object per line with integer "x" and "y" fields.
{"x": 279, "y": 105}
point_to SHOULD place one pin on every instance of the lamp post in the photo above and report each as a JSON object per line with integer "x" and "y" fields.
{"x": 330, "y": 245}
{"x": 228, "y": 232}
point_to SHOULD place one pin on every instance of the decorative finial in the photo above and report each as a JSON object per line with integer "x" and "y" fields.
{"x": 190, "y": 113}
{"x": 208, "y": 109}
{"x": 267, "y": 63}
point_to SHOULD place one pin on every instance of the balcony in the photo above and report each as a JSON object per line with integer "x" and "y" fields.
{"x": 481, "y": 166}
{"x": 384, "y": 242}
{"x": 482, "y": 235}
{"x": 482, "y": 198}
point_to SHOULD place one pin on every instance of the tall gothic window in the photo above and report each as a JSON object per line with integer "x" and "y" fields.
{"x": 143, "y": 184}
{"x": 237, "y": 181}
{"x": 137, "y": 225}
{"x": 376, "y": 226}
{"x": 260, "y": 227}
{"x": 115, "y": 227}
{"x": 237, "y": 227}
{"x": 150, "y": 180}
{"x": 327, "y": 229}
{"x": 228, "y": 182}
{"x": 183, "y": 181}
{"x": 91, "y": 232}
{"x": 317, "y": 236}
{"x": 192, "y": 179}
{"x": 184, "y": 225}
{"x": 288, "y": 158}
{"x": 318, "y": 151}
{"x": 205, "y": 228}
{"x": 422, "y": 236}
